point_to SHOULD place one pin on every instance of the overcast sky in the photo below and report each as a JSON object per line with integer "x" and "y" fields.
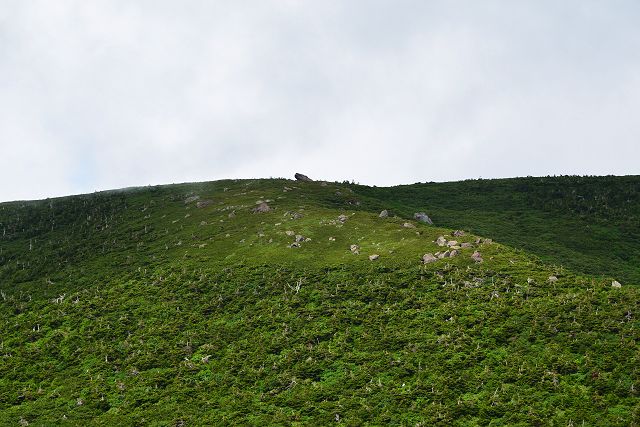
{"x": 97, "y": 95}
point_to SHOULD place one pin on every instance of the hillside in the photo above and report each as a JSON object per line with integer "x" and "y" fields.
{"x": 243, "y": 302}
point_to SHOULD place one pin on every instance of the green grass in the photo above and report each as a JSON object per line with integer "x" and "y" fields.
{"x": 136, "y": 308}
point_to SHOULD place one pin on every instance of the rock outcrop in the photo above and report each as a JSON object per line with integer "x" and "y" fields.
{"x": 262, "y": 208}
{"x": 301, "y": 177}
{"x": 422, "y": 217}
{"x": 428, "y": 258}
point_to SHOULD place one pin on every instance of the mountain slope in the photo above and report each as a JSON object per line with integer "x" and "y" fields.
{"x": 589, "y": 224}
{"x": 180, "y": 305}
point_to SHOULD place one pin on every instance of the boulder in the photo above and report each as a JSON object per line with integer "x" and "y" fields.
{"x": 343, "y": 218}
{"x": 301, "y": 177}
{"x": 373, "y": 257}
{"x": 445, "y": 254}
{"x": 441, "y": 241}
{"x": 466, "y": 245}
{"x": 422, "y": 217}
{"x": 290, "y": 233}
{"x": 300, "y": 238}
{"x": 262, "y": 208}
{"x": 428, "y": 258}
{"x": 458, "y": 233}
{"x": 452, "y": 243}
{"x": 408, "y": 225}
{"x": 191, "y": 199}
{"x": 204, "y": 203}
{"x": 384, "y": 214}
{"x": 553, "y": 279}
{"x": 476, "y": 256}
{"x": 355, "y": 249}
{"x": 616, "y": 284}
{"x": 453, "y": 253}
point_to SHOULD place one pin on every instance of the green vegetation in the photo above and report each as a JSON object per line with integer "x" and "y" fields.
{"x": 177, "y": 305}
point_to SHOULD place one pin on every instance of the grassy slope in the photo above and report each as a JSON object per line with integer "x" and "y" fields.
{"x": 136, "y": 308}
{"x": 588, "y": 224}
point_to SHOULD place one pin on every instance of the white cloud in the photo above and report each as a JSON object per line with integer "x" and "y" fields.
{"x": 106, "y": 94}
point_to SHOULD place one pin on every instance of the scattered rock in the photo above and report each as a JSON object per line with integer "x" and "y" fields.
{"x": 487, "y": 241}
{"x": 355, "y": 249}
{"x": 428, "y": 258}
{"x": 332, "y": 239}
{"x": 476, "y": 256}
{"x": 553, "y": 279}
{"x": 300, "y": 238}
{"x": 294, "y": 245}
{"x": 445, "y": 254}
{"x": 458, "y": 233}
{"x": 191, "y": 199}
{"x": 441, "y": 241}
{"x": 290, "y": 233}
{"x": 466, "y": 245}
{"x": 530, "y": 280}
{"x": 343, "y": 218}
{"x": 422, "y": 217}
{"x": 232, "y": 214}
{"x": 408, "y": 225}
{"x": 452, "y": 243}
{"x": 301, "y": 177}
{"x": 323, "y": 184}
{"x": 384, "y": 214}
{"x": 285, "y": 189}
{"x": 373, "y": 257}
{"x": 616, "y": 284}
{"x": 204, "y": 203}
{"x": 262, "y": 208}
{"x": 453, "y": 253}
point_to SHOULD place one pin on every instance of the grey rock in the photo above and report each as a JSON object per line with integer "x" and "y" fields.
{"x": 553, "y": 279}
{"x": 301, "y": 177}
{"x": 191, "y": 199}
{"x": 204, "y": 203}
{"x": 476, "y": 256}
{"x": 428, "y": 258}
{"x": 262, "y": 208}
{"x": 355, "y": 249}
{"x": 466, "y": 245}
{"x": 408, "y": 225}
{"x": 373, "y": 257}
{"x": 343, "y": 218}
{"x": 384, "y": 214}
{"x": 422, "y": 217}
{"x": 452, "y": 243}
{"x": 458, "y": 233}
{"x": 616, "y": 284}
{"x": 441, "y": 241}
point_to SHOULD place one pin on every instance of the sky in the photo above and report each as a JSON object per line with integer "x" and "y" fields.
{"x": 97, "y": 95}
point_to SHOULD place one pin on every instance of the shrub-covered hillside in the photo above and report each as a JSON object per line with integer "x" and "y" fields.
{"x": 589, "y": 224}
{"x": 293, "y": 303}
